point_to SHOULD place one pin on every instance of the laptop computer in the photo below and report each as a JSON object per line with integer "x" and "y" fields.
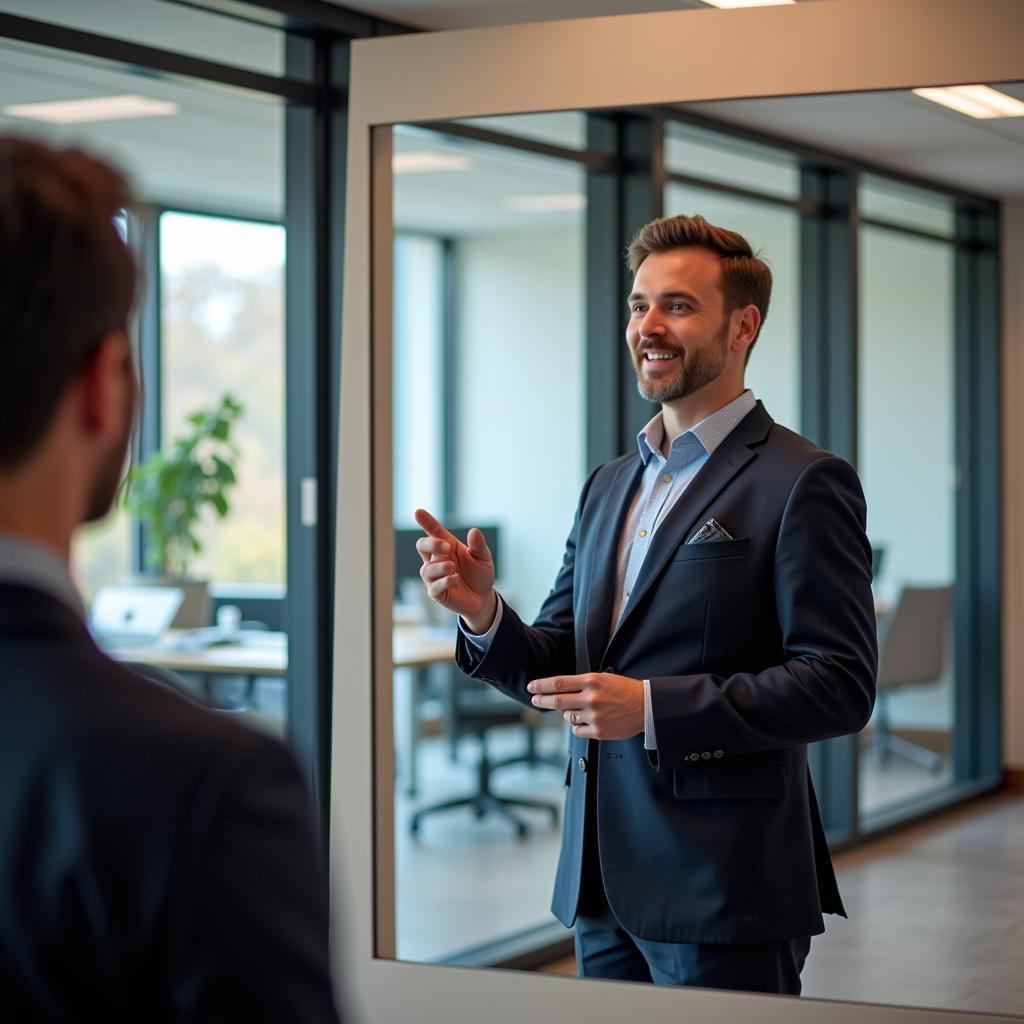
{"x": 124, "y": 615}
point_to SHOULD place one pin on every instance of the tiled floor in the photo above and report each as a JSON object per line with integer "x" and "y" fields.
{"x": 936, "y": 916}
{"x": 463, "y": 882}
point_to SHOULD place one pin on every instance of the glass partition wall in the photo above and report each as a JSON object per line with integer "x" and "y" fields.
{"x": 907, "y": 459}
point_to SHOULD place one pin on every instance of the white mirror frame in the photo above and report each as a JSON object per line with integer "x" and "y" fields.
{"x": 829, "y": 46}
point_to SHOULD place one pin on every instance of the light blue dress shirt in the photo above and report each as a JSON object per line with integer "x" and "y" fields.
{"x": 663, "y": 480}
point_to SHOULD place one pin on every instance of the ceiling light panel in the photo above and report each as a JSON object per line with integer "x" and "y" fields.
{"x": 568, "y": 202}
{"x": 423, "y": 161}
{"x": 978, "y": 101}
{"x": 97, "y": 108}
{"x": 730, "y": 4}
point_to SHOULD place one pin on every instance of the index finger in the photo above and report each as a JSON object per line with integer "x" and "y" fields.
{"x": 557, "y": 684}
{"x": 431, "y": 526}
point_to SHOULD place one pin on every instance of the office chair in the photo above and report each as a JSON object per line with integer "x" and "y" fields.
{"x": 473, "y": 710}
{"x": 912, "y": 653}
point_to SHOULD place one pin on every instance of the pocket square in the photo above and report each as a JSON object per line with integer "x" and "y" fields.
{"x": 710, "y": 532}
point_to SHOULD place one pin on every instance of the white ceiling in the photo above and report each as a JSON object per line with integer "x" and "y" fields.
{"x": 897, "y": 130}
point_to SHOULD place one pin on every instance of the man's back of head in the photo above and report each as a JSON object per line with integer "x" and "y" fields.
{"x": 67, "y": 388}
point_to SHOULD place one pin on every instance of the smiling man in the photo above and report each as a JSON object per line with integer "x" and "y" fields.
{"x": 712, "y": 616}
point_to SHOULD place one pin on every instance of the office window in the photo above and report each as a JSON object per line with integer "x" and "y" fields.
{"x": 566, "y": 128}
{"x": 907, "y": 463}
{"x": 102, "y": 553}
{"x": 774, "y": 232}
{"x": 905, "y": 206}
{"x": 169, "y": 26}
{"x": 222, "y": 303}
{"x": 715, "y": 156}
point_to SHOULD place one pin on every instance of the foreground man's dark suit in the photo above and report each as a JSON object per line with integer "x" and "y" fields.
{"x": 755, "y": 647}
{"x": 157, "y": 861}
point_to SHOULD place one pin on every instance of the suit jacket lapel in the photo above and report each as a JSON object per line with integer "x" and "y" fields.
{"x": 604, "y": 555}
{"x": 726, "y": 461}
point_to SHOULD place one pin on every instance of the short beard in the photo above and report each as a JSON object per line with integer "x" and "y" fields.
{"x": 707, "y": 365}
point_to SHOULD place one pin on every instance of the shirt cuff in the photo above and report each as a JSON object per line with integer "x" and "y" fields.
{"x": 482, "y": 641}
{"x": 650, "y": 740}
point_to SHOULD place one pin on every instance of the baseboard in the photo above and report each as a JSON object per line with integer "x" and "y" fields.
{"x": 1013, "y": 778}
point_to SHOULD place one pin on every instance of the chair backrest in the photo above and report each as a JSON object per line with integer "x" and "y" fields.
{"x": 914, "y": 646}
{"x": 474, "y": 706}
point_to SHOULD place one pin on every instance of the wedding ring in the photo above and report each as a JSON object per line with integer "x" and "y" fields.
{"x": 574, "y": 718}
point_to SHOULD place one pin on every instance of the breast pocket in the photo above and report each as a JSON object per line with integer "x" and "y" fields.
{"x": 711, "y": 549}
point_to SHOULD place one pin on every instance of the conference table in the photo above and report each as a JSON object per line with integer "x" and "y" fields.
{"x": 264, "y": 653}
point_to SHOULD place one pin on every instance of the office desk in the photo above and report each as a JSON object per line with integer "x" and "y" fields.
{"x": 414, "y": 648}
{"x": 264, "y": 653}
{"x": 260, "y": 653}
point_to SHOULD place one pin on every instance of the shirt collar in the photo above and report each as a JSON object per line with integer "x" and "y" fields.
{"x": 711, "y": 431}
{"x": 35, "y": 565}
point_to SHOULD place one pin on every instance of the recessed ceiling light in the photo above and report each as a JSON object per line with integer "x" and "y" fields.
{"x": 97, "y": 108}
{"x": 421, "y": 161}
{"x": 748, "y": 3}
{"x": 554, "y": 203}
{"x": 974, "y": 100}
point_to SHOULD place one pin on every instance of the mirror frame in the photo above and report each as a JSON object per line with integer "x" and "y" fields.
{"x": 614, "y": 62}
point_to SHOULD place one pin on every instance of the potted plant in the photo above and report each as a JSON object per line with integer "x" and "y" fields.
{"x": 169, "y": 491}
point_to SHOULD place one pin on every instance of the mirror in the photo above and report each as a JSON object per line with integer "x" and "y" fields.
{"x": 490, "y": 400}
{"x": 488, "y": 209}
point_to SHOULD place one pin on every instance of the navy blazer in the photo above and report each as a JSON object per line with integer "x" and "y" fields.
{"x": 157, "y": 860}
{"x": 755, "y": 647}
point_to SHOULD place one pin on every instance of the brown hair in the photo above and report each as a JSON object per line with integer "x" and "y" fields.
{"x": 746, "y": 279}
{"x": 66, "y": 280}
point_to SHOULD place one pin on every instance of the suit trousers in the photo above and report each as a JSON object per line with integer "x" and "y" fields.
{"x": 604, "y": 949}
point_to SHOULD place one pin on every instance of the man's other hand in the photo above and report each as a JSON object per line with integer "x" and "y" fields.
{"x": 458, "y": 576}
{"x": 598, "y": 705}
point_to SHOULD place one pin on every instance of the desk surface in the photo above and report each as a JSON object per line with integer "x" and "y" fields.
{"x": 266, "y": 653}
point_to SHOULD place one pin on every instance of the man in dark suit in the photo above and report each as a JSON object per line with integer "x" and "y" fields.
{"x": 713, "y": 615}
{"x": 157, "y": 861}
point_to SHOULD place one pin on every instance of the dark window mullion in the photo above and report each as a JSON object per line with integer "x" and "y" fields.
{"x": 828, "y": 319}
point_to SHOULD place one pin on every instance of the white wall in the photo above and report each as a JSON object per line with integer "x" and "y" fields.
{"x": 519, "y": 394}
{"x": 1013, "y": 485}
